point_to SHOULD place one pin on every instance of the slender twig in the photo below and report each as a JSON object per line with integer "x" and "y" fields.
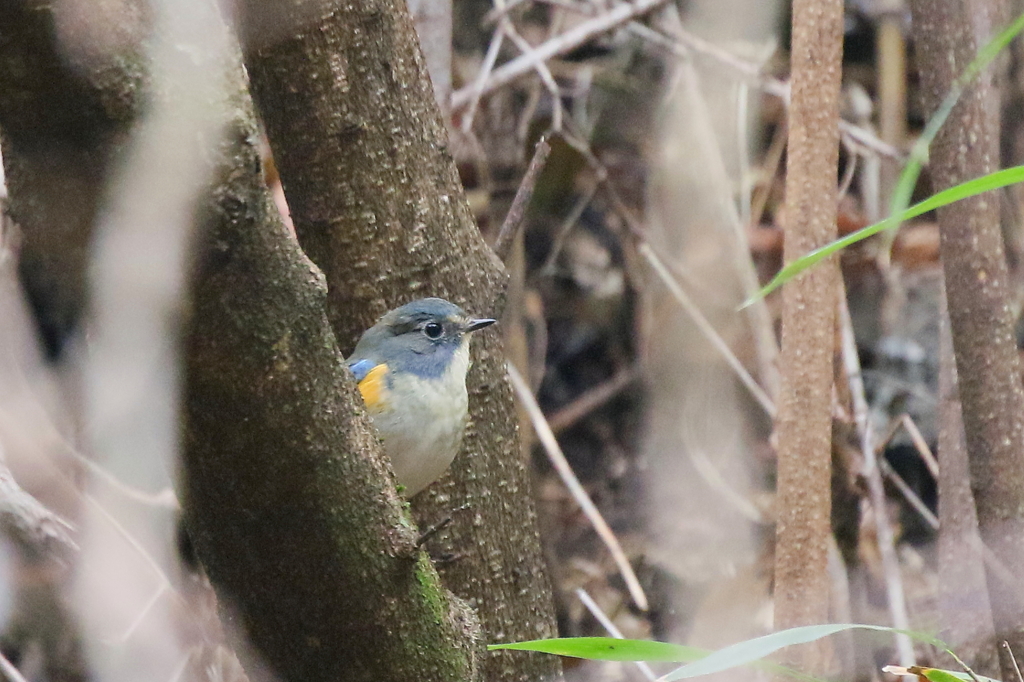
{"x": 772, "y": 160}
{"x": 154, "y": 598}
{"x": 30, "y": 520}
{"x": 718, "y": 483}
{"x": 540, "y": 66}
{"x": 10, "y": 672}
{"x": 516, "y": 213}
{"x": 966, "y": 667}
{"x": 750, "y": 71}
{"x": 566, "y": 227}
{"x": 476, "y": 89}
{"x": 706, "y": 328}
{"x": 608, "y": 625}
{"x": 1013, "y": 659}
{"x": 561, "y": 465}
{"x": 148, "y": 558}
{"x": 743, "y": 154}
{"x": 592, "y": 399}
{"x": 869, "y": 140}
{"x": 992, "y": 562}
{"x": 495, "y": 13}
{"x": 920, "y": 444}
{"x": 500, "y": 10}
{"x": 164, "y": 499}
{"x": 908, "y": 493}
{"x": 848, "y": 172}
{"x": 876, "y": 489}
{"x": 563, "y": 43}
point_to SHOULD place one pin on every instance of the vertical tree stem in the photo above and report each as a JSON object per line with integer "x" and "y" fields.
{"x": 948, "y": 33}
{"x": 804, "y": 422}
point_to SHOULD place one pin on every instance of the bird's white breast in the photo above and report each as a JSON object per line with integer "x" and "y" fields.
{"x": 422, "y": 427}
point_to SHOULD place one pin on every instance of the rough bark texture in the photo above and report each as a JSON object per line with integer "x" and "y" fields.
{"x": 964, "y": 610}
{"x": 804, "y": 423}
{"x": 66, "y": 100}
{"x": 947, "y": 35}
{"x": 378, "y": 205}
{"x": 282, "y": 468}
{"x": 323, "y": 574}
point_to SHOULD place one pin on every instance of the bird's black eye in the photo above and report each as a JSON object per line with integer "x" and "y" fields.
{"x": 433, "y": 330}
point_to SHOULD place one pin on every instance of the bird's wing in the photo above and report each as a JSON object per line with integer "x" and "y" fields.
{"x": 372, "y": 378}
{"x": 360, "y": 368}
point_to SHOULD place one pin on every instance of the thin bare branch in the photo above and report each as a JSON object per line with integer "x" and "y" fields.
{"x": 920, "y": 444}
{"x": 30, "y": 520}
{"x": 516, "y": 213}
{"x": 563, "y": 43}
{"x": 909, "y": 495}
{"x": 566, "y": 227}
{"x": 476, "y": 90}
{"x": 684, "y": 41}
{"x": 608, "y": 625}
{"x": 876, "y": 489}
{"x": 707, "y": 329}
{"x": 851, "y": 168}
{"x": 1013, "y": 659}
{"x": 10, "y": 672}
{"x": 592, "y": 399}
{"x": 565, "y": 472}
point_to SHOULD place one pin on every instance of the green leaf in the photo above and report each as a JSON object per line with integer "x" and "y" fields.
{"x": 938, "y": 675}
{"x": 912, "y": 170}
{"x": 919, "y": 153}
{"x": 752, "y": 650}
{"x": 985, "y": 183}
{"x": 608, "y": 649}
{"x": 632, "y": 650}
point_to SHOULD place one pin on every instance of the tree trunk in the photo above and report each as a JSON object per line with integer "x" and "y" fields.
{"x": 378, "y": 205}
{"x": 283, "y": 471}
{"x": 947, "y": 34}
{"x": 804, "y": 422}
{"x": 281, "y": 465}
{"x": 964, "y": 609}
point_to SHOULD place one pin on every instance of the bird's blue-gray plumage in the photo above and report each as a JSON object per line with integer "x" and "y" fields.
{"x": 393, "y": 340}
{"x": 411, "y": 368}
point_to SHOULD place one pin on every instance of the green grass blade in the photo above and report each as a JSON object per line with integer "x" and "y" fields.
{"x": 986, "y": 183}
{"x": 633, "y": 650}
{"x": 752, "y": 650}
{"x": 904, "y": 189}
{"x": 919, "y": 153}
{"x": 938, "y": 674}
{"x": 608, "y": 649}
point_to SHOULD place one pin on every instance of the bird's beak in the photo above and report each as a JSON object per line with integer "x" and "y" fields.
{"x": 473, "y": 325}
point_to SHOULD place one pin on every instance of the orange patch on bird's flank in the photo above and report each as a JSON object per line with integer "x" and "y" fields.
{"x": 373, "y": 385}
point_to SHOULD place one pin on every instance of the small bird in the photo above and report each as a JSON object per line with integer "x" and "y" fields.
{"x": 411, "y": 367}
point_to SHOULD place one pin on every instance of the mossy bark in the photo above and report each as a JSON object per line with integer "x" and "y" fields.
{"x": 314, "y": 560}
{"x": 377, "y": 204}
{"x": 282, "y": 470}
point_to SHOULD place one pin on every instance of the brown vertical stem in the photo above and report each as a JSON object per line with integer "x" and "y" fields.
{"x": 892, "y": 97}
{"x": 964, "y": 609}
{"x": 948, "y": 33}
{"x": 804, "y": 422}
